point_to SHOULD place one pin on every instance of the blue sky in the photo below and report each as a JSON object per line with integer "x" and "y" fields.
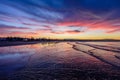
{"x": 60, "y": 18}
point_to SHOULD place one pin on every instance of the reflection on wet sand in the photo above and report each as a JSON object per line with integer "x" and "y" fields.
{"x": 104, "y": 53}
{"x": 60, "y": 61}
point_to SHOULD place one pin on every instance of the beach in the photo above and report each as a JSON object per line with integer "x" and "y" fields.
{"x": 61, "y": 61}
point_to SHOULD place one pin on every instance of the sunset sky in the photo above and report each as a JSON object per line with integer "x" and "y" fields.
{"x": 76, "y": 19}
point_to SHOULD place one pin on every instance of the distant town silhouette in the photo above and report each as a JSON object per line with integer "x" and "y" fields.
{"x": 48, "y": 39}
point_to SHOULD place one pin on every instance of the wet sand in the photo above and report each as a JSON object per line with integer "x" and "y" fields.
{"x": 67, "y": 61}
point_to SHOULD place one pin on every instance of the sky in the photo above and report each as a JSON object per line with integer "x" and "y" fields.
{"x": 60, "y": 19}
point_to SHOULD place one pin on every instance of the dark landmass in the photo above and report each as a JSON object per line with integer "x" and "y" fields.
{"x": 12, "y": 41}
{"x": 48, "y": 39}
{"x": 15, "y": 43}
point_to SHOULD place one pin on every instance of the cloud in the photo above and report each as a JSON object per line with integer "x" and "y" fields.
{"x": 114, "y": 30}
{"x": 59, "y": 16}
{"x": 92, "y": 25}
{"x": 74, "y": 32}
{"x": 12, "y": 30}
{"x": 67, "y": 32}
{"x": 6, "y": 27}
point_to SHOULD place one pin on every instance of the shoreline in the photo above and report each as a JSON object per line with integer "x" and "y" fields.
{"x": 16, "y": 43}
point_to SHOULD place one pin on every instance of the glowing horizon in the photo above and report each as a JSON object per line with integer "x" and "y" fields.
{"x": 60, "y": 19}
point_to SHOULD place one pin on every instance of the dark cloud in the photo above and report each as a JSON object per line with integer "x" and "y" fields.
{"x": 61, "y": 10}
{"x": 11, "y": 27}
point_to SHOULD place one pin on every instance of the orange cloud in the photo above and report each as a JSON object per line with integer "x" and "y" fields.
{"x": 112, "y": 31}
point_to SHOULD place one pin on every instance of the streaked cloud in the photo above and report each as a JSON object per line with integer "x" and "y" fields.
{"x": 59, "y": 17}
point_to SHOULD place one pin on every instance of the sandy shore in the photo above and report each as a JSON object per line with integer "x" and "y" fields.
{"x": 62, "y": 61}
